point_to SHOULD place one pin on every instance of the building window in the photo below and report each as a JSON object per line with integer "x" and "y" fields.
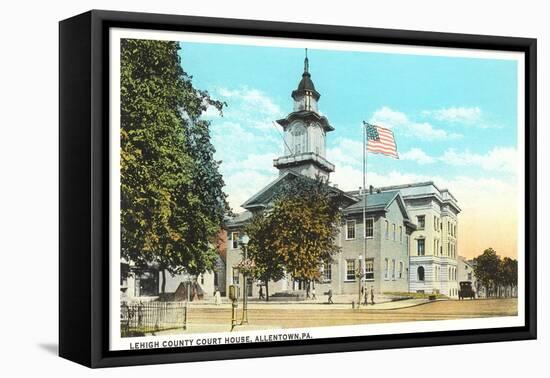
{"x": 401, "y": 234}
{"x": 350, "y": 229}
{"x": 400, "y": 269}
{"x": 369, "y": 269}
{"x": 421, "y": 222}
{"x": 216, "y": 279}
{"x": 420, "y": 247}
{"x": 449, "y": 275}
{"x": 350, "y": 270}
{"x": 327, "y": 272}
{"x": 469, "y": 276}
{"x": 299, "y": 136}
{"x": 387, "y": 229}
{"x": 420, "y": 273}
{"x": 394, "y": 233}
{"x": 435, "y": 223}
{"x": 393, "y": 269}
{"x": 234, "y": 240}
{"x": 369, "y": 230}
{"x": 386, "y": 267}
{"x": 235, "y": 276}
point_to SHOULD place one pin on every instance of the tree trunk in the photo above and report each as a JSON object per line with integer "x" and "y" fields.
{"x": 163, "y": 281}
{"x": 267, "y": 290}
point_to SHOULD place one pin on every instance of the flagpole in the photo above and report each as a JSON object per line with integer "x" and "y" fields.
{"x": 365, "y": 145}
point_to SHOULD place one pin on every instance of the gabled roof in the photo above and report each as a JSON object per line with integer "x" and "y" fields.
{"x": 423, "y": 190}
{"x": 379, "y": 202}
{"x": 261, "y": 199}
{"x": 239, "y": 219}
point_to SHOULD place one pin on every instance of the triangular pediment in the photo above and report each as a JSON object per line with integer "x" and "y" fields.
{"x": 264, "y": 197}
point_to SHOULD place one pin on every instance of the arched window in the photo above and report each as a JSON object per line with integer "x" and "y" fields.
{"x": 299, "y": 139}
{"x": 420, "y": 272}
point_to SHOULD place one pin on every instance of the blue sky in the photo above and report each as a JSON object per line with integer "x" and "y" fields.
{"x": 454, "y": 119}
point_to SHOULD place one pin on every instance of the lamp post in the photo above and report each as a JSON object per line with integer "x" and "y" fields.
{"x": 360, "y": 274}
{"x": 244, "y": 243}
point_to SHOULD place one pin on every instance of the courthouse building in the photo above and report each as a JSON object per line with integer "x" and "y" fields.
{"x": 409, "y": 233}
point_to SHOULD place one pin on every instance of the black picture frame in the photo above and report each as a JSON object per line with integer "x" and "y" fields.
{"x": 84, "y": 189}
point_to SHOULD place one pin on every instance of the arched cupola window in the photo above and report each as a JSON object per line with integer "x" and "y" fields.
{"x": 299, "y": 138}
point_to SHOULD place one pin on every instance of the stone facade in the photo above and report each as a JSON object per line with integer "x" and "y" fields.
{"x": 433, "y": 245}
{"x": 386, "y": 260}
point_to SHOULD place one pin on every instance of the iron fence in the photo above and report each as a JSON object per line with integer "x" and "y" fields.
{"x": 140, "y": 318}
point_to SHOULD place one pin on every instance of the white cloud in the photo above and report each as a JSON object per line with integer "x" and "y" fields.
{"x": 456, "y": 114}
{"x": 254, "y": 162}
{"x": 499, "y": 159}
{"x": 242, "y": 185}
{"x": 418, "y": 155}
{"x": 401, "y": 124}
{"x": 346, "y": 151}
{"x": 246, "y": 141}
{"x": 251, "y": 106}
{"x": 469, "y": 116}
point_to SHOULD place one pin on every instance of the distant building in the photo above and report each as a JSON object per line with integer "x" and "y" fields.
{"x": 466, "y": 271}
{"x": 145, "y": 283}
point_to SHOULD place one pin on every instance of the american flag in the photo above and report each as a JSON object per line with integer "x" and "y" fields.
{"x": 380, "y": 140}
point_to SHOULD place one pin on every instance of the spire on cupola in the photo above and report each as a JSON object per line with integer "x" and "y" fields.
{"x": 306, "y": 88}
{"x": 305, "y": 132}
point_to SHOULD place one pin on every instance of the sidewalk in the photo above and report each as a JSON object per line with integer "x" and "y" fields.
{"x": 340, "y": 302}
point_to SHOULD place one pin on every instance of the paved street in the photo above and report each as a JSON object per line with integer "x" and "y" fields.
{"x": 210, "y": 318}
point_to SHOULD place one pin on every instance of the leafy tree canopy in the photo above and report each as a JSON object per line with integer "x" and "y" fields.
{"x": 303, "y": 224}
{"x": 172, "y": 202}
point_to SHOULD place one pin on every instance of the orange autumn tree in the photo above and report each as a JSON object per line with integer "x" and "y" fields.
{"x": 299, "y": 230}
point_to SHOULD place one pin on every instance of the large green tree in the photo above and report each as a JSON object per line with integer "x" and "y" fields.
{"x": 268, "y": 264}
{"x": 486, "y": 269}
{"x": 496, "y": 274}
{"x": 509, "y": 274}
{"x": 172, "y": 203}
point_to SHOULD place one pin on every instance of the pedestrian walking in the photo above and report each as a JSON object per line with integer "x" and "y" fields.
{"x": 313, "y": 296}
{"x": 330, "y": 296}
{"x": 217, "y": 298}
{"x": 372, "y": 294}
{"x": 366, "y": 296}
{"x": 261, "y": 293}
